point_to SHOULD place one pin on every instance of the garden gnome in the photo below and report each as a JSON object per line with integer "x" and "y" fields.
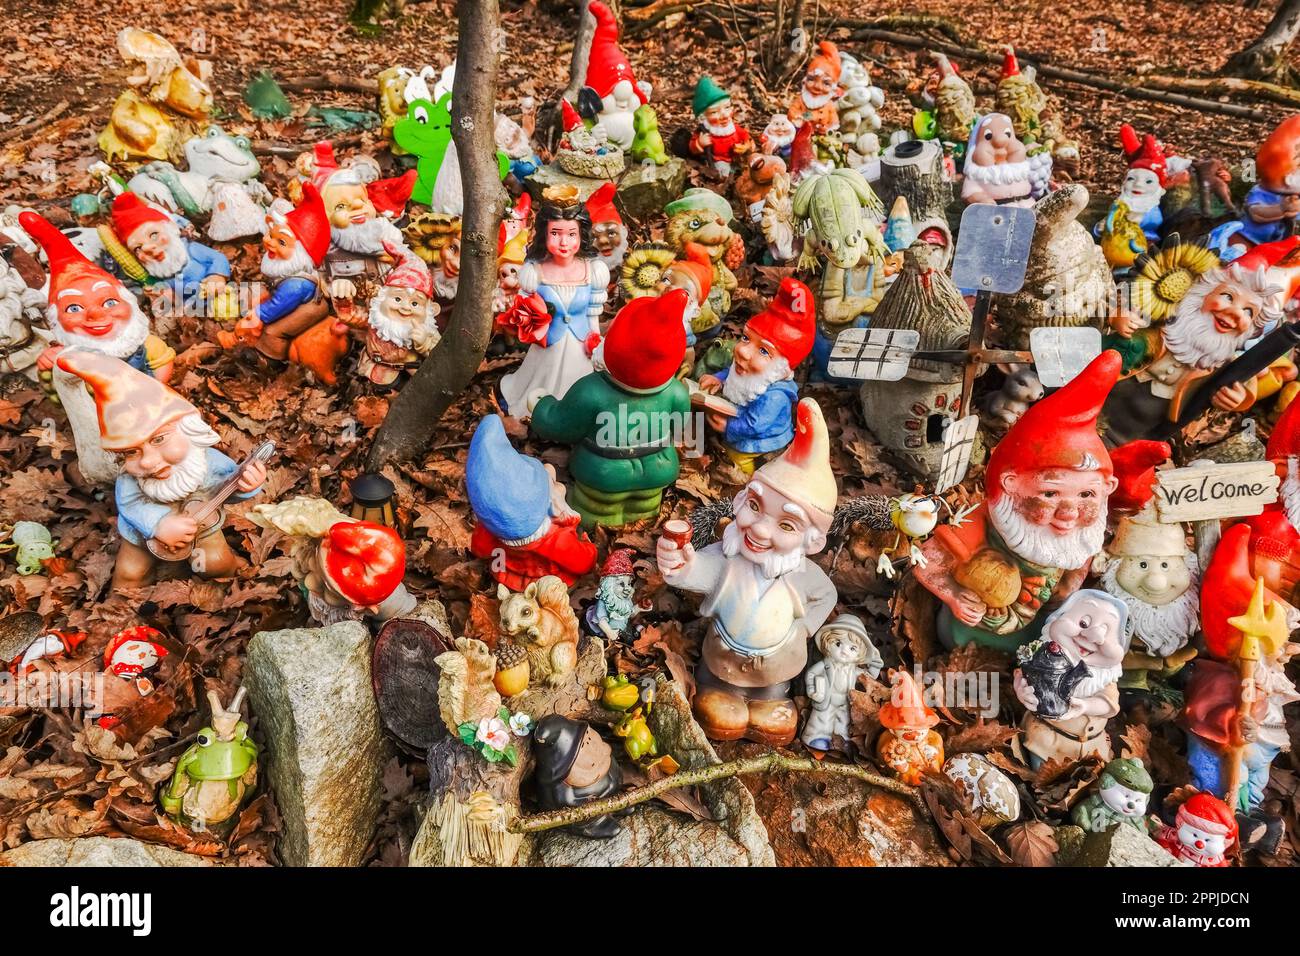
{"x": 608, "y": 233}
{"x": 575, "y": 766}
{"x": 1088, "y": 629}
{"x": 293, "y": 248}
{"x": 403, "y": 326}
{"x": 1164, "y": 365}
{"x": 760, "y": 379}
{"x": 815, "y": 103}
{"x": 909, "y": 745}
{"x": 847, "y": 654}
{"x": 778, "y": 136}
{"x": 624, "y": 419}
{"x": 1274, "y": 540}
{"x": 130, "y": 656}
{"x": 168, "y": 457}
{"x": 717, "y": 137}
{"x": 186, "y": 271}
{"x": 611, "y": 613}
{"x": 1204, "y": 830}
{"x": 998, "y": 169}
{"x": 1144, "y": 187}
{"x": 1149, "y": 567}
{"x": 1273, "y": 204}
{"x": 693, "y": 273}
{"x": 610, "y": 75}
{"x": 523, "y": 527}
{"x": 762, "y": 594}
{"x": 1043, "y": 519}
{"x": 1122, "y": 796}
{"x": 89, "y": 309}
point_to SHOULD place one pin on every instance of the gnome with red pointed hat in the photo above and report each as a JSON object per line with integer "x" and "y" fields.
{"x": 1031, "y": 542}
{"x": 293, "y": 248}
{"x": 815, "y": 103}
{"x": 168, "y": 458}
{"x": 187, "y": 272}
{"x": 403, "y": 323}
{"x": 764, "y": 597}
{"x": 760, "y": 379}
{"x": 608, "y": 233}
{"x": 1204, "y": 831}
{"x": 1273, "y": 204}
{"x": 625, "y": 419}
{"x": 610, "y": 75}
{"x": 90, "y": 309}
{"x": 610, "y": 615}
{"x": 909, "y": 744}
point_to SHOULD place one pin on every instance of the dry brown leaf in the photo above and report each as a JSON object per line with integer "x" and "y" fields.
{"x": 1032, "y": 843}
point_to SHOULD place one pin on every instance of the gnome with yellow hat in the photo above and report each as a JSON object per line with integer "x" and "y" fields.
{"x": 167, "y": 457}
{"x": 764, "y": 596}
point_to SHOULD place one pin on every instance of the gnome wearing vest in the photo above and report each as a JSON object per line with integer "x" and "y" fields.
{"x": 524, "y": 529}
{"x": 185, "y": 271}
{"x": 718, "y": 138}
{"x": 764, "y": 596}
{"x": 403, "y": 326}
{"x": 621, "y": 420}
{"x": 1030, "y": 544}
{"x": 168, "y": 458}
{"x": 760, "y": 379}
{"x": 89, "y": 309}
{"x": 293, "y": 248}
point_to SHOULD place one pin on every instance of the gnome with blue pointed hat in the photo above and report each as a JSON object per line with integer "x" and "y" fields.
{"x": 523, "y": 529}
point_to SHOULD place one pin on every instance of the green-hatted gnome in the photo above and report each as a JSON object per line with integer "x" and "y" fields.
{"x": 717, "y": 137}
{"x": 1121, "y": 797}
{"x": 621, "y": 418}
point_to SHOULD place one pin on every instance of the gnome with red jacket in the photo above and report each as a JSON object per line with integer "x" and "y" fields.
{"x": 625, "y": 419}
{"x": 1030, "y": 544}
{"x": 293, "y": 248}
{"x": 523, "y": 527}
{"x": 760, "y": 379}
{"x": 762, "y": 594}
{"x": 1203, "y": 833}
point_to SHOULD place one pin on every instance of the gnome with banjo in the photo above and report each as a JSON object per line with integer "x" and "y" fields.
{"x": 173, "y": 480}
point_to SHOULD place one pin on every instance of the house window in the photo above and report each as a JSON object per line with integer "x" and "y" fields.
{"x": 934, "y": 428}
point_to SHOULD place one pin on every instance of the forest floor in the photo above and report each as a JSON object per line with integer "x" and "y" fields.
{"x": 61, "y": 779}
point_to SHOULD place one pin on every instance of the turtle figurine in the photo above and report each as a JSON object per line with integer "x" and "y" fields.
{"x": 217, "y": 772}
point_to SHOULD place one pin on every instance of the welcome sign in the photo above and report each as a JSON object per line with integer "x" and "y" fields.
{"x": 1211, "y": 491}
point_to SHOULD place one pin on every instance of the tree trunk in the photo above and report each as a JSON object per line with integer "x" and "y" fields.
{"x": 1266, "y": 58}
{"x": 442, "y": 377}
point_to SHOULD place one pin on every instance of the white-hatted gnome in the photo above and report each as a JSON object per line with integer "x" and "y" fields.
{"x": 403, "y": 323}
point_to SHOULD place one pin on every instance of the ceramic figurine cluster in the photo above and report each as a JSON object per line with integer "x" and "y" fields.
{"x": 1085, "y": 497}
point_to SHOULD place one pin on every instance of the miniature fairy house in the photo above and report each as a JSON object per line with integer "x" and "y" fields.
{"x": 908, "y": 416}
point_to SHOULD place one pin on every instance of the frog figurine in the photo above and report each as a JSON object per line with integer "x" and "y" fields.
{"x": 218, "y": 771}
{"x": 637, "y": 739}
{"x": 34, "y": 545}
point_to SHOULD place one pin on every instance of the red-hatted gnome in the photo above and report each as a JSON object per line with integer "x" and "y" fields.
{"x": 1145, "y": 182}
{"x": 610, "y": 74}
{"x": 763, "y": 595}
{"x": 524, "y": 529}
{"x": 293, "y": 248}
{"x": 350, "y": 570}
{"x": 1236, "y": 693}
{"x": 608, "y": 232}
{"x": 1031, "y": 542}
{"x": 625, "y": 419}
{"x": 403, "y": 323}
{"x": 186, "y": 271}
{"x": 168, "y": 457}
{"x": 130, "y": 656}
{"x": 89, "y": 309}
{"x": 1275, "y": 540}
{"x": 815, "y": 104}
{"x": 1203, "y": 833}
{"x": 760, "y": 379}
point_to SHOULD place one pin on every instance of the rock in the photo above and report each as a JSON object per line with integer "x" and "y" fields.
{"x": 823, "y": 820}
{"x": 310, "y": 689}
{"x": 650, "y": 837}
{"x": 98, "y": 851}
{"x": 1124, "y": 845}
{"x": 643, "y": 190}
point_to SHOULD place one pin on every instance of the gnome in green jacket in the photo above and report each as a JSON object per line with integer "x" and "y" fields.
{"x": 1121, "y": 797}
{"x": 717, "y": 137}
{"x": 623, "y": 419}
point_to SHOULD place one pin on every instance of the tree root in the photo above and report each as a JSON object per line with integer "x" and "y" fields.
{"x": 330, "y": 81}
{"x": 765, "y": 763}
{"x": 1226, "y": 86}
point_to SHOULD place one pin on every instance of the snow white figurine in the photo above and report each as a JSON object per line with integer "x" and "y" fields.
{"x": 564, "y": 275}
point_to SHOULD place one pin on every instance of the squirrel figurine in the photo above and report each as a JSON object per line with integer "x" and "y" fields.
{"x": 541, "y": 620}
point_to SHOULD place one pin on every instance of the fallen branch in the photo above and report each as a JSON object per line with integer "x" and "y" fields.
{"x": 31, "y": 126}
{"x": 766, "y": 763}
{"x": 290, "y": 150}
{"x": 1226, "y": 86}
{"x": 330, "y": 81}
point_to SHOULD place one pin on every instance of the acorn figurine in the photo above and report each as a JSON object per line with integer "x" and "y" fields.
{"x": 512, "y": 669}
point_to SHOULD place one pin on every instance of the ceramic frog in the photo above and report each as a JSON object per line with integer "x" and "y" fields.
{"x": 637, "y": 739}
{"x": 33, "y": 543}
{"x": 214, "y": 158}
{"x": 425, "y": 132}
{"x": 216, "y": 773}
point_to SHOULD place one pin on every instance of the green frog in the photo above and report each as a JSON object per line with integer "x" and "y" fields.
{"x": 217, "y": 772}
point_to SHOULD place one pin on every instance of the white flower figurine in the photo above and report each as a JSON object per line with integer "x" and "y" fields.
{"x": 521, "y": 724}
{"x": 492, "y": 731}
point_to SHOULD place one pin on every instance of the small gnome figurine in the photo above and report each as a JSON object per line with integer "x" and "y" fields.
{"x": 187, "y": 271}
{"x": 575, "y": 766}
{"x": 608, "y": 232}
{"x": 403, "y": 326}
{"x": 612, "y": 611}
{"x": 815, "y": 103}
{"x": 1122, "y": 796}
{"x": 847, "y": 654}
{"x": 523, "y": 527}
{"x": 909, "y": 745}
{"x": 130, "y": 656}
{"x": 1204, "y": 831}
{"x": 717, "y": 137}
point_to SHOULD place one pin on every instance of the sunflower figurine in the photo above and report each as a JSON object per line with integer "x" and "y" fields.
{"x": 1161, "y": 279}
{"x": 643, "y": 268}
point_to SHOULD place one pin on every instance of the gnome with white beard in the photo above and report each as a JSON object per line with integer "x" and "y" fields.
{"x": 1219, "y": 314}
{"x": 998, "y": 167}
{"x": 90, "y": 309}
{"x": 185, "y": 272}
{"x": 403, "y": 324}
{"x": 1149, "y": 567}
{"x": 168, "y": 457}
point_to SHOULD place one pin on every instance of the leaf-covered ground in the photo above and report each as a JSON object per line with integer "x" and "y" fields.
{"x": 59, "y": 777}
